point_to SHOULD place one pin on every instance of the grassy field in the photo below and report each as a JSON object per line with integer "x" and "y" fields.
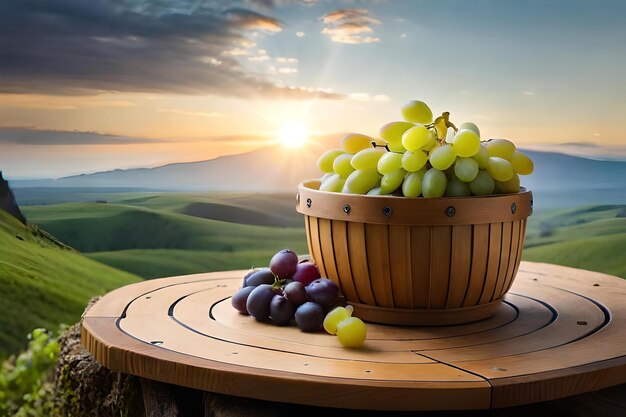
{"x": 156, "y": 235}
{"x": 44, "y": 283}
{"x": 591, "y": 238}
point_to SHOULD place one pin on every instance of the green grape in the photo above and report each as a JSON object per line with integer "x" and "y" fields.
{"x": 396, "y": 147}
{"x": 361, "y": 181}
{"x": 412, "y": 184}
{"x": 510, "y": 186}
{"x": 375, "y": 191}
{"x": 367, "y": 158}
{"x": 390, "y": 182}
{"x": 414, "y": 160}
{"x": 325, "y": 163}
{"x": 466, "y": 143}
{"x": 326, "y": 176}
{"x": 457, "y": 188}
{"x": 483, "y": 184}
{"x": 389, "y": 163}
{"x": 434, "y": 183}
{"x": 342, "y": 166}
{"x": 465, "y": 169}
{"x": 392, "y": 132}
{"x": 355, "y": 142}
{"x": 333, "y": 184}
{"x": 442, "y": 157}
{"x": 481, "y": 157}
{"x": 336, "y": 316}
{"x": 470, "y": 126}
{"x": 351, "y": 332}
{"x": 432, "y": 143}
{"x": 417, "y": 112}
{"x": 500, "y": 147}
{"x": 522, "y": 164}
{"x": 499, "y": 168}
{"x": 416, "y": 137}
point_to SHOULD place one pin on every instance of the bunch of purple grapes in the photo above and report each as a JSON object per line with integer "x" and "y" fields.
{"x": 288, "y": 290}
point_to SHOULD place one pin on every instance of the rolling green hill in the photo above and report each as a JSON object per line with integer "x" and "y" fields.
{"x": 592, "y": 237}
{"x": 152, "y": 236}
{"x": 44, "y": 283}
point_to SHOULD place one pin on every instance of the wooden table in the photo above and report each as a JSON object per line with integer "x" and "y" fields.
{"x": 560, "y": 332}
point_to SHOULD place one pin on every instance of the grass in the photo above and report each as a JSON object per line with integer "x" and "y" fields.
{"x": 44, "y": 283}
{"x": 156, "y": 235}
{"x": 592, "y": 237}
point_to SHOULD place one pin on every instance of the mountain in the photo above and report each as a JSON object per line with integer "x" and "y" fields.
{"x": 44, "y": 282}
{"x": 558, "y": 181}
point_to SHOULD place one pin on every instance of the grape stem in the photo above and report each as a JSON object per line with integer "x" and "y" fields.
{"x": 444, "y": 118}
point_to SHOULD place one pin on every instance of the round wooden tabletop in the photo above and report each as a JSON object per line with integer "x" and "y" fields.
{"x": 560, "y": 332}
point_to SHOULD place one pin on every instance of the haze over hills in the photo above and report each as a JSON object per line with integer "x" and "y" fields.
{"x": 559, "y": 180}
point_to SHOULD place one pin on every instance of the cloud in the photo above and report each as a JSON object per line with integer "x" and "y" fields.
{"x": 73, "y": 47}
{"x": 186, "y": 112}
{"x": 350, "y": 26}
{"x": 25, "y": 136}
{"x": 368, "y": 97}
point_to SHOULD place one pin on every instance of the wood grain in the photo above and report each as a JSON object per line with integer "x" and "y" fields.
{"x": 560, "y": 332}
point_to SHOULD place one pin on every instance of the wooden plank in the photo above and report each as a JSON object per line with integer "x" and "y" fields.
{"x": 505, "y": 254}
{"x": 493, "y": 262}
{"x": 316, "y": 244}
{"x": 342, "y": 258}
{"x": 377, "y": 245}
{"x": 358, "y": 262}
{"x": 480, "y": 252}
{"x": 328, "y": 250}
{"x": 460, "y": 265}
{"x": 513, "y": 259}
{"x": 400, "y": 263}
{"x": 420, "y": 265}
{"x": 440, "y": 244}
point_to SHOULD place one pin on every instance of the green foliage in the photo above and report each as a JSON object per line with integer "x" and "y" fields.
{"x": 590, "y": 238}
{"x": 44, "y": 283}
{"x": 26, "y": 387}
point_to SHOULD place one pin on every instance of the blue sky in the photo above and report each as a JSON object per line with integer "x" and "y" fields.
{"x": 171, "y": 80}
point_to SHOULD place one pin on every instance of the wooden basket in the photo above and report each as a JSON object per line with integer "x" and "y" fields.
{"x": 417, "y": 261}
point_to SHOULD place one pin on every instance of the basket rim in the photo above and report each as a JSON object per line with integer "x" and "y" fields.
{"x": 388, "y": 209}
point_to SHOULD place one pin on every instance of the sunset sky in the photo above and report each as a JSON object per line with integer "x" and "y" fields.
{"x": 104, "y": 84}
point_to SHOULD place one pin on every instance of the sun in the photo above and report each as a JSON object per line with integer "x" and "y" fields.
{"x": 293, "y": 134}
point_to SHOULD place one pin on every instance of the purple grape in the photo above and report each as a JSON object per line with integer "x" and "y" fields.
{"x": 281, "y": 310}
{"x": 309, "y": 317}
{"x": 284, "y": 263}
{"x": 258, "y": 303}
{"x": 341, "y": 302}
{"x": 245, "y": 277}
{"x": 262, "y": 276}
{"x": 240, "y": 298}
{"x": 295, "y": 293}
{"x": 306, "y": 273}
{"x": 323, "y": 291}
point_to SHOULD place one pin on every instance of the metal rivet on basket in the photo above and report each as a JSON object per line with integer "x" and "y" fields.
{"x": 347, "y": 208}
{"x": 450, "y": 211}
{"x": 308, "y": 202}
{"x": 298, "y": 197}
{"x": 513, "y": 208}
{"x": 387, "y": 211}
{"x": 581, "y": 323}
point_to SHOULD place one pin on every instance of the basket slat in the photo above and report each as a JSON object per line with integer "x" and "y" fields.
{"x": 505, "y": 254}
{"x": 342, "y": 259}
{"x": 510, "y": 273}
{"x": 480, "y": 251}
{"x": 377, "y": 243}
{"x": 519, "y": 251}
{"x": 358, "y": 262}
{"x": 460, "y": 263}
{"x": 400, "y": 262}
{"x": 440, "y": 243}
{"x": 315, "y": 244}
{"x": 420, "y": 265}
{"x": 328, "y": 250}
{"x": 493, "y": 262}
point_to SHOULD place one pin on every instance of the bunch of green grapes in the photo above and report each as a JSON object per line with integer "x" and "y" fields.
{"x": 424, "y": 157}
